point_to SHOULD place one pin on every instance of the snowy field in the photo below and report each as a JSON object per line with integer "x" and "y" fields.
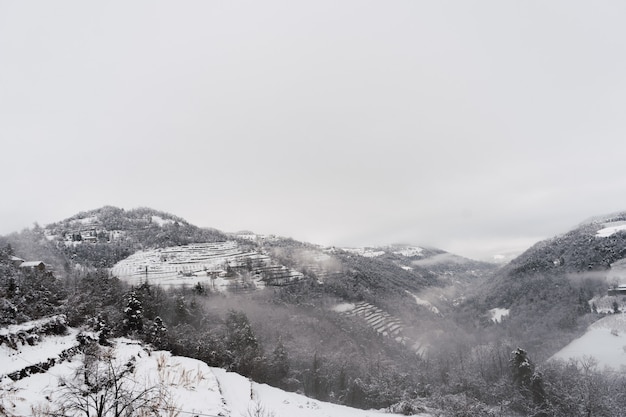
{"x": 497, "y": 314}
{"x": 605, "y": 341}
{"x": 366, "y": 252}
{"x": 205, "y": 263}
{"x": 421, "y": 302}
{"x": 611, "y": 228}
{"x": 409, "y": 251}
{"x": 382, "y": 322}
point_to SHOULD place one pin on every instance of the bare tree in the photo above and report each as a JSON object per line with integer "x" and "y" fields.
{"x": 103, "y": 388}
{"x": 256, "y": 409}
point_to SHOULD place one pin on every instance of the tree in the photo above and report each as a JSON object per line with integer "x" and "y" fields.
{"x": 244, "y": 348}
{"x": 158, "y": 334}
{"x": 101, "y": 387}
{"x": 199, "y": 289}
{"x": 181, "y": 312}
{"x": 529, "y": 382}
{"x": 279, "y": 365}
{"x": 133, "y": 313}
{"x": 100, "y": 324}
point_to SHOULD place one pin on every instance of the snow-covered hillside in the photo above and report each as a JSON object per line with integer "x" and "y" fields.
{"x": 167, "y": 385}
{"x": 605, "y": 341}
{"x": 206, "y": 263}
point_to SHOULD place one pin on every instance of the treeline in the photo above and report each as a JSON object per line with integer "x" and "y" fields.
{"x": 27, "y": 293}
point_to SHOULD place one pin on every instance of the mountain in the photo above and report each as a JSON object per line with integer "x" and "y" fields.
{"x": 330, "y": 309}
{"x": 113, "y": 234}
{"x": 145, "y": 244}
{"x": 395, "y": 326}
{"x": 549, "y": 290}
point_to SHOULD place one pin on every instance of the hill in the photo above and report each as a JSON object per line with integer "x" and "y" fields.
{"x": 66, "y": 372}
{"x": 603, "y": 342}
{"x": 549, "y": 291}
{"x": 102, "y": 237}
{"x": 393, "y": 326}
{"x": 327, "y": 309}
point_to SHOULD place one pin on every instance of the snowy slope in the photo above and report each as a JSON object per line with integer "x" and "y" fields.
{"x": 179, "y": 385}
{"x": 205, "y": 263}
{"x": 605, "y": 341}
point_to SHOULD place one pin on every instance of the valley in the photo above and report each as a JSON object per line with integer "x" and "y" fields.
{"x": 397, "y": 327}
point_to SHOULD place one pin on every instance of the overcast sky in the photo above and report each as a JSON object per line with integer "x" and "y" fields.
{"x": 473, "y": 126}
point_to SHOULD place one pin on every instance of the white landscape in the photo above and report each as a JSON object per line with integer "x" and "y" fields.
{"x": 611, "y": 228}
{"x": 184, "y": 386}
{"x": 497, "y": 314}
{"x": 604, "y": 341}
{"x": 205, "y": 263}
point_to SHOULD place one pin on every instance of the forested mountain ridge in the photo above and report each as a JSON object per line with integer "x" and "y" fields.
{"x": 327, "y": 345}
{"x": 551, "y": 286}
{"x": 102, "y": 237}
{"x": 426, "y": 316}
{"x": 114, "y": 233}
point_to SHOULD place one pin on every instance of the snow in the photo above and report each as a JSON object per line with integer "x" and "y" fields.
{"x": 421, "y": 302}
{"x": 204, "y": 263}
{"x": 366, "y": 252}
{"x": 410, "y": 251}
{"x": 161, "y": 221}
{"x": 610, "y": 230}
{"x": 605, "y": 341}
{"x": 241, "y": 396}
{"x": 15, "y": 360}
{"x": 344, "y": 307}
{"x": 87, "y": 220}
{"x": 497, "y": 314}
{"x": 185, "y": 386}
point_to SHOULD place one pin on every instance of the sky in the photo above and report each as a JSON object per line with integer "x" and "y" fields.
{"x": 479, "y": 127}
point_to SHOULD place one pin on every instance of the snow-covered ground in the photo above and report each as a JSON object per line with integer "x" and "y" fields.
{"x": 410, "y": 251}
{"x": 161, "y": 221}
{"x": 366, "y": 252}
{"x": 422, "y": 302}
{"x": 344, "y": 307}
{"x": 605, "y": 341}
{"x": 382, "y": 322}
{"x": 206, "y": 263}
{"x": 498, "y": 313}
{"x": 611, "y": 228}
{"x": 181, "y": 386}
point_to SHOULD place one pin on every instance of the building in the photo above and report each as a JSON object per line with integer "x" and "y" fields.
{"x": 38, "y": 265}
{"x": 619, "y": 290}
{"x": 15, "y": 260}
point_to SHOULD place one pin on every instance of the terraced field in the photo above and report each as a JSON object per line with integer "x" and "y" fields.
{"x": 384, "y": 323}
{"x": 221, "y": 266}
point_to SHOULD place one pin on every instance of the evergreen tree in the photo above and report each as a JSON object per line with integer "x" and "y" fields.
{"x": 529, "y": 382}
{"x": 181, "y": 312}
{"x": 100, "y": 324}
{"x": 158, "y": 334}
{"x": 279, "y": 366}
{"x": 242, "y": 344}
{"x": 133, "y": 313}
